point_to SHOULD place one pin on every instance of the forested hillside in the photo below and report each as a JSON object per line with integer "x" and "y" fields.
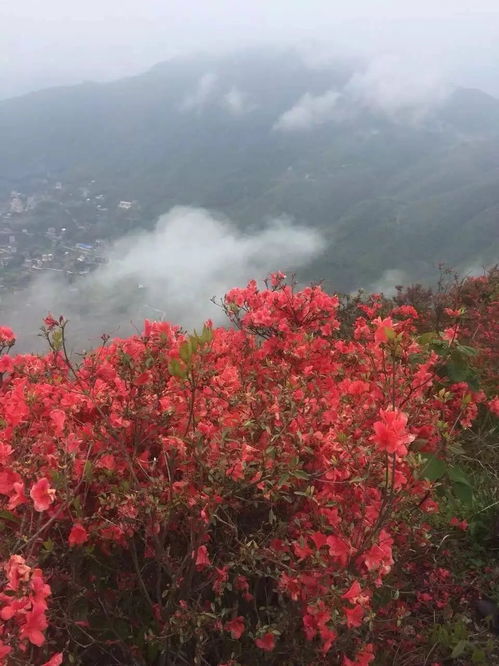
{"x": 258, "y": 135}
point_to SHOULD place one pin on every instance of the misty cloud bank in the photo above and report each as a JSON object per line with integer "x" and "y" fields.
{"x": 202, "y": 94}
{"x": 210, "y": 90}
{"x": 60, "y": 43}
{"x": 170, "y": 273}
{"x": 309, "y": 111}
{"x": 237, "y": 102}
{"x": 400, "y": 88}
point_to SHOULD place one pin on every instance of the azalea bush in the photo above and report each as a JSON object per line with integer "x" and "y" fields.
{"x": 243, "y": 495}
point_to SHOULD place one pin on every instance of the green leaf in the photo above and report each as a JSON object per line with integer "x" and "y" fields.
{"x": 9, "y": 517}
{"x": 194, "y": 341}
{"x": 126, "y": 359}
{"x": 458, "y": 475}
{"x": 207, "y": 334}
{"x": 459, "y": 649}
{"x": 87, "y": 471}
{"x": 467, "y": 399}
{"x": 121, "y": 628}
{"x": 76, "y": 504}
{"x": 441, "y": 347}
{"x": 426, "y": 338}
{"x": 176, "y": 369}
{"x": 478, "y": 656}
{"x": 463, "y": 492}
{"x": 152, "y": 652}
{"x": 57, "y": 340}
{"x": 416, "y": 359}
{"x": 434, "y": 468}
{"x": 48, "y": 545}
{"x": 389, "y": 332}
{"x": 456, "y": 370}
{"x": 300, "y": 474}
{"x": 473, "y": 381}
{"x": 185, "y": 351}
{"x": 466, "y": 351}
{"x": 283, "y": 480}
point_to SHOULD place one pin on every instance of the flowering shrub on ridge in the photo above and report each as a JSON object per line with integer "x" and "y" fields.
{"x": 232, "y": 497}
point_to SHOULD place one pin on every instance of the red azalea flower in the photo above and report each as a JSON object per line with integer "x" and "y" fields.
{"x": 58, "y": 418}
{"x": 78, "y": 535}
{"x": 50, "y": 322}
{"x": 35, "y": 625}
{"x": 460, "y": 524}
{"x": 4, "y": 650}
{"x": 266, "y": 642}
{"x": 16, "y": 571}
{"x": 17, "y": 496}
{"x": 202, "y": 558}
{"x": 6, "y": 364}
{"x": 7, "y": 335}
{"x": 7, "y": 479}
{"x": 354, "y": 616}
{"x": 390, "y": 432}
{"x": 384, "y": 329}
{"x": 55, "y": 660}
{"x": 235, "y": 626}
{"x": 338, "y": 549}
{"x": 494, "y": 405}
{"x": 363, "y": 658}
{"x": 42, "y": 494}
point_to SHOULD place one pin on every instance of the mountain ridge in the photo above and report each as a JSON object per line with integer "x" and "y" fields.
{"x": 204, "y": 132}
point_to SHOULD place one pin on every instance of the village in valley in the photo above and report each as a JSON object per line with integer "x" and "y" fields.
{"x": 58, "y": 228}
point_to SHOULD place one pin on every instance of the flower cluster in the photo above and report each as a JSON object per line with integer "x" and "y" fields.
{"x": 23, "y": 606}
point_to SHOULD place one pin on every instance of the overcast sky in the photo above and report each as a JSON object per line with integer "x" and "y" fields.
{"x": 51, "y": 42}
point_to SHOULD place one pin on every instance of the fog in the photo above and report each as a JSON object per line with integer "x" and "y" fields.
{"x": 389, "y": 84}
{"x": 170, "y": 273}
{"x": 56, "y": 42}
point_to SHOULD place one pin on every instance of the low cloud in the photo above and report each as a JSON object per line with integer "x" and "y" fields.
{"x": 169, "y": 273}
{"x": 308, "y": 112}
{"x": 398, "y": 87}
{"x": 237, "y": 102}
{"x": 202, "y": 94}
{"x": 388, "y": 282}
{"x": 210, "y": 91}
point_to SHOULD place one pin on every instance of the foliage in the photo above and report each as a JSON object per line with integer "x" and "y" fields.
{"x": 253, "y": 494}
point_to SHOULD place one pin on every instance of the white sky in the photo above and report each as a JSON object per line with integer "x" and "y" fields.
{"x": 289, "y": 10}
{"x": 48, "y": 42}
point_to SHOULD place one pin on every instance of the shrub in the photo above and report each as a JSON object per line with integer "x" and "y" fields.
{"x": 244, "y": 495}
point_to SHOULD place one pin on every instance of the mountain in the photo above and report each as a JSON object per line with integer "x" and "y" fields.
{"x": 254, "y": 135}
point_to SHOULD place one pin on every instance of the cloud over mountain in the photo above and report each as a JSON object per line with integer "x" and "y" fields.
{"x": 237, "y": 102}
{"x": 309, "y": 111}
{"x": 399, "y": 87}
{"x": 202, "y": 94}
